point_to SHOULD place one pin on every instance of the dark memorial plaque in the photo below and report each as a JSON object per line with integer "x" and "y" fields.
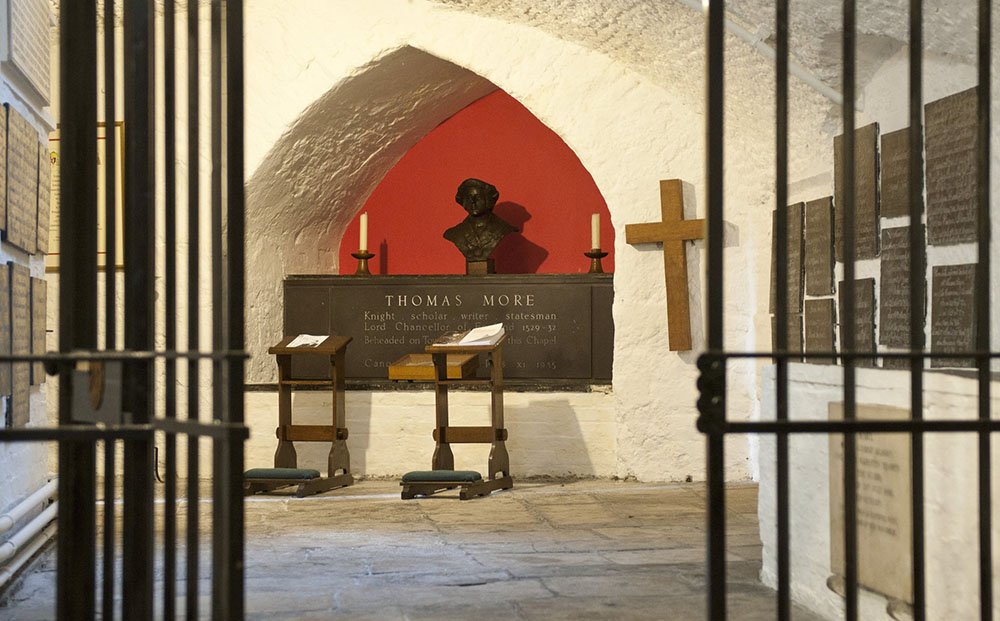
{"x": 820, "y": 318}
{"x": 20, "y": 320}
{"x": 819, "y": 246}
{"x": 866, "y": 213}
{"x": 3, "y": 168}
{"x": 794, "y": 258}
{"x": 794, "y": 335}
{"x": 864, "y": 319}
{"x": 894, "y": 292}
{"x": 44, "y": 197}
{"x": 5, "y": 382}
{"x": 951, "y": 169}
{"x": 38, "y": 310}
{"x": 22, "y": 181}
{"x": 559, "y": 325}
{"x": 895, "y": 161}
{"x": 953, "y": 313}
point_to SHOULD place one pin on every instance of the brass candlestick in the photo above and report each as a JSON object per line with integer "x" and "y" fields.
{"x": 595, "y": 255}
{"x": 362, "y": 256}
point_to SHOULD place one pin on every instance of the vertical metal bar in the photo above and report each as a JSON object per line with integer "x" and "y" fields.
{"x": 917, "y": 286}
{"x": 110, "y": 293}
{"x": 715, "y": 37}
{"x": 170, "y": 308}
{"x": 75, "y": 582}
{"x": 235, "y": 277}
{"x": 781, "y": 302}
{"x": 193, "y": 314}
{"x": 139, "y": 233}
{"x": 108, "y": 578}
{"x": 220, "y": 568}
{"x": 848, "y": 313}
{"x": 983, "y": 306}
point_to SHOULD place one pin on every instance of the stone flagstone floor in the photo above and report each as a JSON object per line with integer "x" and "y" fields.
{"x": 587, "y": 549}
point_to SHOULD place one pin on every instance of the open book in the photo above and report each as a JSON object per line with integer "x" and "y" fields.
{"x": 484, "y": 335}
{"x": 307, "y": 340}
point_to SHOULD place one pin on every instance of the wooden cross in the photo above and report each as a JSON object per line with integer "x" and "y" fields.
{"x": 673, "y": 230}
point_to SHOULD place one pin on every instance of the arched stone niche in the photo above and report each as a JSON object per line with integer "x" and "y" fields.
{"x": 337, "y": 93}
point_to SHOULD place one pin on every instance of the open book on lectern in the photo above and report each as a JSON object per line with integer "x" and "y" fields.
{"x": 484, "y": 335}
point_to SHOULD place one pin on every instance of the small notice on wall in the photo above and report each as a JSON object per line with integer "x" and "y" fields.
{"x": 55, "y": 163}
{"x": 884, "y": 489}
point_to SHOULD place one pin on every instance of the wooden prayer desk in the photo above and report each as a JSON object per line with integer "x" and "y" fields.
{"x": 443, "y": 474}
{"x": 285, "y": 459}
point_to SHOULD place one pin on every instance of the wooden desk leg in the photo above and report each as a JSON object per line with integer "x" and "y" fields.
{"x": 443, "y": 458}
{"x": 285, "y": 456}
{"x": 499, "y": 461}
{"x": 339, "y": 458}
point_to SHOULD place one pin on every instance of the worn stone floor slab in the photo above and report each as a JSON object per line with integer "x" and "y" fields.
{"x": 544, "y": 550}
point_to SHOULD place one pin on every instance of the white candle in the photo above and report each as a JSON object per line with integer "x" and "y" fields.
{"x": 595, "y": 231}
{"x": 363, "y": 236}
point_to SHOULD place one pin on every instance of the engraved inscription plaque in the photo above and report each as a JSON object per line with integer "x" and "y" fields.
{"x": 953, "y": 315}
{"x": 864, "y": 319}
{"x": 794, "y": 328}
{"x": 794, "y": 258}
{"x": 894, "y": 291}
{"x": 38, "y": 310}
{"x": 884, "y": 488}
{"x": 559, "y": 325}
{"x": 820, "y": 317}
{"x": 866, "y": 213}
{"x": 22, "y": 181}
{"x": 951, "y": 169}
{"x": 819, "y": 246}
{"x": 895, "y": 161}
{"x": 5, "y": 335}
{"x": 44, "y": 197}
{"x": 20, "y": 319}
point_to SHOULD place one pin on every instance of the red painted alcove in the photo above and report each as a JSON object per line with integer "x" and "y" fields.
{"x": 544, "y": 191}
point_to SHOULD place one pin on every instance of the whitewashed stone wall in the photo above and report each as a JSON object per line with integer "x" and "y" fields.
{"x": 24, "y": 466}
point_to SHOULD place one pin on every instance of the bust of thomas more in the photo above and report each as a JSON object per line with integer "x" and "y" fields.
{"x": 478, "y": 235}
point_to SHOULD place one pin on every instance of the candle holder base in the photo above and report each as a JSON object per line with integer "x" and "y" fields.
{"x": 595, "y": 255}
{"x": 362, "y": 256}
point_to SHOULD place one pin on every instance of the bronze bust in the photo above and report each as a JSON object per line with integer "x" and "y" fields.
{"x": 478, "y": 235}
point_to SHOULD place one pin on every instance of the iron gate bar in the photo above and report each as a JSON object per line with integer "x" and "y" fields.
{"x": 92, "y": 433}
{"x": 781, "y": 301}
{"x": 170, "y": 310}
{"x": 864, "y": 426}
{"x": 984, "y": 59}
{"x": 236, "y": 223}
{"x": 847, "y": 325}
{"x": 139, "y": 241}
{"x": 76, "y": 543}
{"x": 219, "y": 570}
{"x": 918, "y": 271}
{"x": 194, "y": 263}
{"x": 715, "y": 118}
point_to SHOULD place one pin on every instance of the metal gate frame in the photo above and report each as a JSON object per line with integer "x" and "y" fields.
{"x": 136, "y": 425}
{"x": 712, "y": 419}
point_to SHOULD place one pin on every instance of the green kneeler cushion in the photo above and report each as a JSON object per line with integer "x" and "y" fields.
{"x": 281, "y": 473}
{"x": 437, "y": 476}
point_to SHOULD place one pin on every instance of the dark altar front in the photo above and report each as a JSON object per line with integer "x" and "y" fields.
{"x": 559, "y": 325}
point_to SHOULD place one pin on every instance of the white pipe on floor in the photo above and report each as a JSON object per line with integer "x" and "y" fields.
{"x": 10, "y": 547}
{"x": 47, "y": 491}
{"x": 758, "y": 42}
{"x": 21, "y": 559}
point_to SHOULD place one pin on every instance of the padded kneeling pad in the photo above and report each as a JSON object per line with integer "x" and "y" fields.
{"x": 435, "y": 476}
{"x": 281, "y": 473}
